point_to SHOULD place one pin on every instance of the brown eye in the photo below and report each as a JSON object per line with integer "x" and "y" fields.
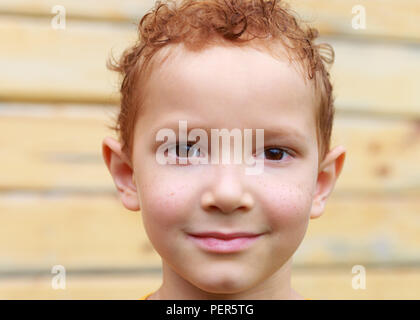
{"x": 274, "y": 154}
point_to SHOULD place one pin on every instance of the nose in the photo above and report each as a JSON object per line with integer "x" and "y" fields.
{"x": 226, "y": 192}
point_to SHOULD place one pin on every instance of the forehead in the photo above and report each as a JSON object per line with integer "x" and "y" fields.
{"x": 229, "y": 87}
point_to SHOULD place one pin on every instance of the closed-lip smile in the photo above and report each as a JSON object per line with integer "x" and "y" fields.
{"x": 221, "y": 235}
{"x": 220, "y": 242}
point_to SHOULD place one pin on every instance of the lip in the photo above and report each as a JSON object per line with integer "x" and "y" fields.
{"x": 219, "y": 242}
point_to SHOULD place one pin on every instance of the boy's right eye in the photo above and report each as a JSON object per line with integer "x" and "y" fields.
{"x": 185, "y": 149}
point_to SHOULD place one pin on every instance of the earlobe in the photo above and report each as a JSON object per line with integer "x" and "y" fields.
{"x": 121, "y": 173}
{"x": 330, "y": 170}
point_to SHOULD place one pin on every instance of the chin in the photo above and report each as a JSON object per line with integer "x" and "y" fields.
{"x": 223, "y": 282}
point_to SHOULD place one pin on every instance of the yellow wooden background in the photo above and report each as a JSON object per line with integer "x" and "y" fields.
{"x": 58, "y": 204}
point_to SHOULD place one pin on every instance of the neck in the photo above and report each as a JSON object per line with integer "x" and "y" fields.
{"x": 275, "y": 287}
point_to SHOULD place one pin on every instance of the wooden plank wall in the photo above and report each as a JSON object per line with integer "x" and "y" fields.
{"x": 58, "y": 204}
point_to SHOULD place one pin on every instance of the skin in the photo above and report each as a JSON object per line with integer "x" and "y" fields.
{"x": 226, "y": 87}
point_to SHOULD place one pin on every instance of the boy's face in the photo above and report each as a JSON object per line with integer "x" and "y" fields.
{"x": 227, "y": 88}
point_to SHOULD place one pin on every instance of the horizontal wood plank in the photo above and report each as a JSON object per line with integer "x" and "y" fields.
{"x": 81, "y": 232}
{"x": 365, "y": 81}
{"x": 364, "y": 230}
{"x": 113, "y": 287}
{"x": 59, "y": 147}
{"x": 311, "y": 284}
{"x": 69, "y": 65}
{"x": 110, "y": 10}
{"x": 385, "y": 18}
{"x": 382, "y": 284}
{"x": 49, "y": 64}
{"x": 382, "y": 154}
{"x": 95, "y": 232}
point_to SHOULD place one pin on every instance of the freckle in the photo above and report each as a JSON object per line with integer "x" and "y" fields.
{"x": 383, "y": 171}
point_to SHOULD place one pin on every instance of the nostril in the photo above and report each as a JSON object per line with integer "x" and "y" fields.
{"x": 227, "y": 203}
{"x": 213, "y": 208}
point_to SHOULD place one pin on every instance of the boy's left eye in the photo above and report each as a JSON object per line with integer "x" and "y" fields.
{"x": 275, "y": 154}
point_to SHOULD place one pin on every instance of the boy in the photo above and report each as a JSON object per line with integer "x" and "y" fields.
{"x": 245, "y": 64}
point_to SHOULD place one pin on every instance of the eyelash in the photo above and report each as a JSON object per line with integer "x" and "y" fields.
{"x": 282, "y": 150}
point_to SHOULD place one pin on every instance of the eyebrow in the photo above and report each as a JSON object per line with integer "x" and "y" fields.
{"x": 284, "y": 132}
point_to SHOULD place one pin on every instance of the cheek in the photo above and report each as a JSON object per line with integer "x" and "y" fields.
{"x": 287, "y": 209}
{"x": 162, "y": 211}
{"x": 286, "y": 206}
{"x": 164, "y": 201}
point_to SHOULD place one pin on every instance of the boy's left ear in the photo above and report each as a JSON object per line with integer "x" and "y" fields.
{"x": 328, "y": 173}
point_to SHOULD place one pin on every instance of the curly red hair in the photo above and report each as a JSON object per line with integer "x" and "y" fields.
{"x": 201, "y": 23}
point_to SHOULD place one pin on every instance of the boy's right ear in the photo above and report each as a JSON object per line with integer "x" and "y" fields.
{"x": 121, "y": 172}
